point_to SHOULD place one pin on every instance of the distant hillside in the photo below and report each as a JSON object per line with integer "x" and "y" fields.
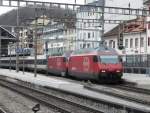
{"x": 27, "y": 14}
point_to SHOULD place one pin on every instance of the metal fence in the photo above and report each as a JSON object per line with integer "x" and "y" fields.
{"x": 136, "y": 63}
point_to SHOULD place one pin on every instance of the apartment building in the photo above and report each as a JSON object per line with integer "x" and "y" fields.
{"x": 89, "y": 25}
{"x": 133, "y": 35}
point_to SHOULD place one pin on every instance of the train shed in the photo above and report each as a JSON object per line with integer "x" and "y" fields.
{"x": 5, "y": 38}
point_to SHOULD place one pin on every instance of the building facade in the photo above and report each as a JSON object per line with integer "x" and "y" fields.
{"x": 89, "y": 25}
{"x": 70, "y": 36}
{"x": 134, "y": 38}
{"x": 58, "y": 38}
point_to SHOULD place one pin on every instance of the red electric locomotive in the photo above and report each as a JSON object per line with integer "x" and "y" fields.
{"x": 100, "y": 64}
{"x": 59, "y": 64}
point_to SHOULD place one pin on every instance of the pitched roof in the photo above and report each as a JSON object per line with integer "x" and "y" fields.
{"x": 135, "y": 25}
{"x": 146, "y": 2}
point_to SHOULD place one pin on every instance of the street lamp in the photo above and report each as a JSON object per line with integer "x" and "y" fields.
{"x": 23, "y": 56}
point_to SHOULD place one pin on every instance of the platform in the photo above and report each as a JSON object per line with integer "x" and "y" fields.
{"x": 68, "y": 86}
{"x": 138, "y": 79}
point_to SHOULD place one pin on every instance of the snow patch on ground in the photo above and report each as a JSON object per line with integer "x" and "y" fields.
{"x": 39, "y": 79}
{"x": 139, "y": 79}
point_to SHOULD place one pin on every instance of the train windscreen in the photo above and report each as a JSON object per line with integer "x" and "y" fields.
{"x": 109, "y": 59}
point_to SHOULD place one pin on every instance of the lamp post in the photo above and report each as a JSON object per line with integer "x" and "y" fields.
{"x": 17, "y": 37}
{"x": 24, "y": 56}
{"x": 35, "y": 47}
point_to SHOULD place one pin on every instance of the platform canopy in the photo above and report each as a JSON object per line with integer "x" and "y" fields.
{"x": 5, "y": 38}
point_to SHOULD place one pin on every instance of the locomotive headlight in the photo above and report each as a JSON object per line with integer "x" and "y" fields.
{"x": 103, "y": 71}
{"x": 118, "y": 71}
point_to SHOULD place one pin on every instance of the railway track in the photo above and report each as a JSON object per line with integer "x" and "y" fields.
{"x": 130, "y": 93}
{"x": 133, "y": 89}
{"x": 2, "y": 111}
{"x": 58, "y": 103}
{"x": 66, "y": 106}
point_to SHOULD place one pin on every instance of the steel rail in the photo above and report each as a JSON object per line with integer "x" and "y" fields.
{"x": 134, "y": 99}
{"x": 2, "y": 111}
{"x": 50, "y": 100}
{"x": 102, "y": 102}
{"x": 133, "y": 89}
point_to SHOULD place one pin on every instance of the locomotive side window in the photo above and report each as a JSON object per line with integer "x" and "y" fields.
{"x": 95, "y": 59}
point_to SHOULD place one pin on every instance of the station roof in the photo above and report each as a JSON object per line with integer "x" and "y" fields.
{"x": 6, "y": 35}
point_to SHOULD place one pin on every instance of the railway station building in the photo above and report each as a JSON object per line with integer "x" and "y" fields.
{"x": 6, "y": 37}
{"x": 133, "y": 36}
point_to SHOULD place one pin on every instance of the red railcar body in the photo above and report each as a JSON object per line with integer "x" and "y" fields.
{"x": 98, "y": 64}
{"x": 57, "y": 64}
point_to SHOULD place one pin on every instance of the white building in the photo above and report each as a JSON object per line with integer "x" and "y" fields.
{"x": 89, "y": 25}
{"x": 23, "y": 38}
{"x": 58, "y": 37}
{"x": 70, "y": 36}
{"x": 134, "y": 37}
{"x": 135, "y": 4}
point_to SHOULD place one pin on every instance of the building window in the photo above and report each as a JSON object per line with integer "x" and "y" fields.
{"x": 80, "y": 25}
{"x": 88, "y": 45}
{"x": 26, "y": 33}
{"x": 89, "y": 35}
{"x": 113, "y": 44}
{"x": 21, "y": 34}
{"x": 126, "y": 43}
{"x": 148, "y": 41}
{"x": 110, "y": 43}
{"x": 93, "y": 34}
{"x": 84, "y": 45}
{"x": 131, "y": 43}
{"x": 141, "y": 42}
{"x": 84, "y": 24}
{"x": 80, "y": 35}
{"x": 80, "y": 45}
{"x": 84, "y": 35}
{"x": 89, "y": 24}
{"x": 136, "y": 42}
{"x": 93, "y": 24}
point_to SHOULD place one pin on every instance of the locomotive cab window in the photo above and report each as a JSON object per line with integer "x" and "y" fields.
{"x": 95, "y": 59}
{"x": 109, "y": 59}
